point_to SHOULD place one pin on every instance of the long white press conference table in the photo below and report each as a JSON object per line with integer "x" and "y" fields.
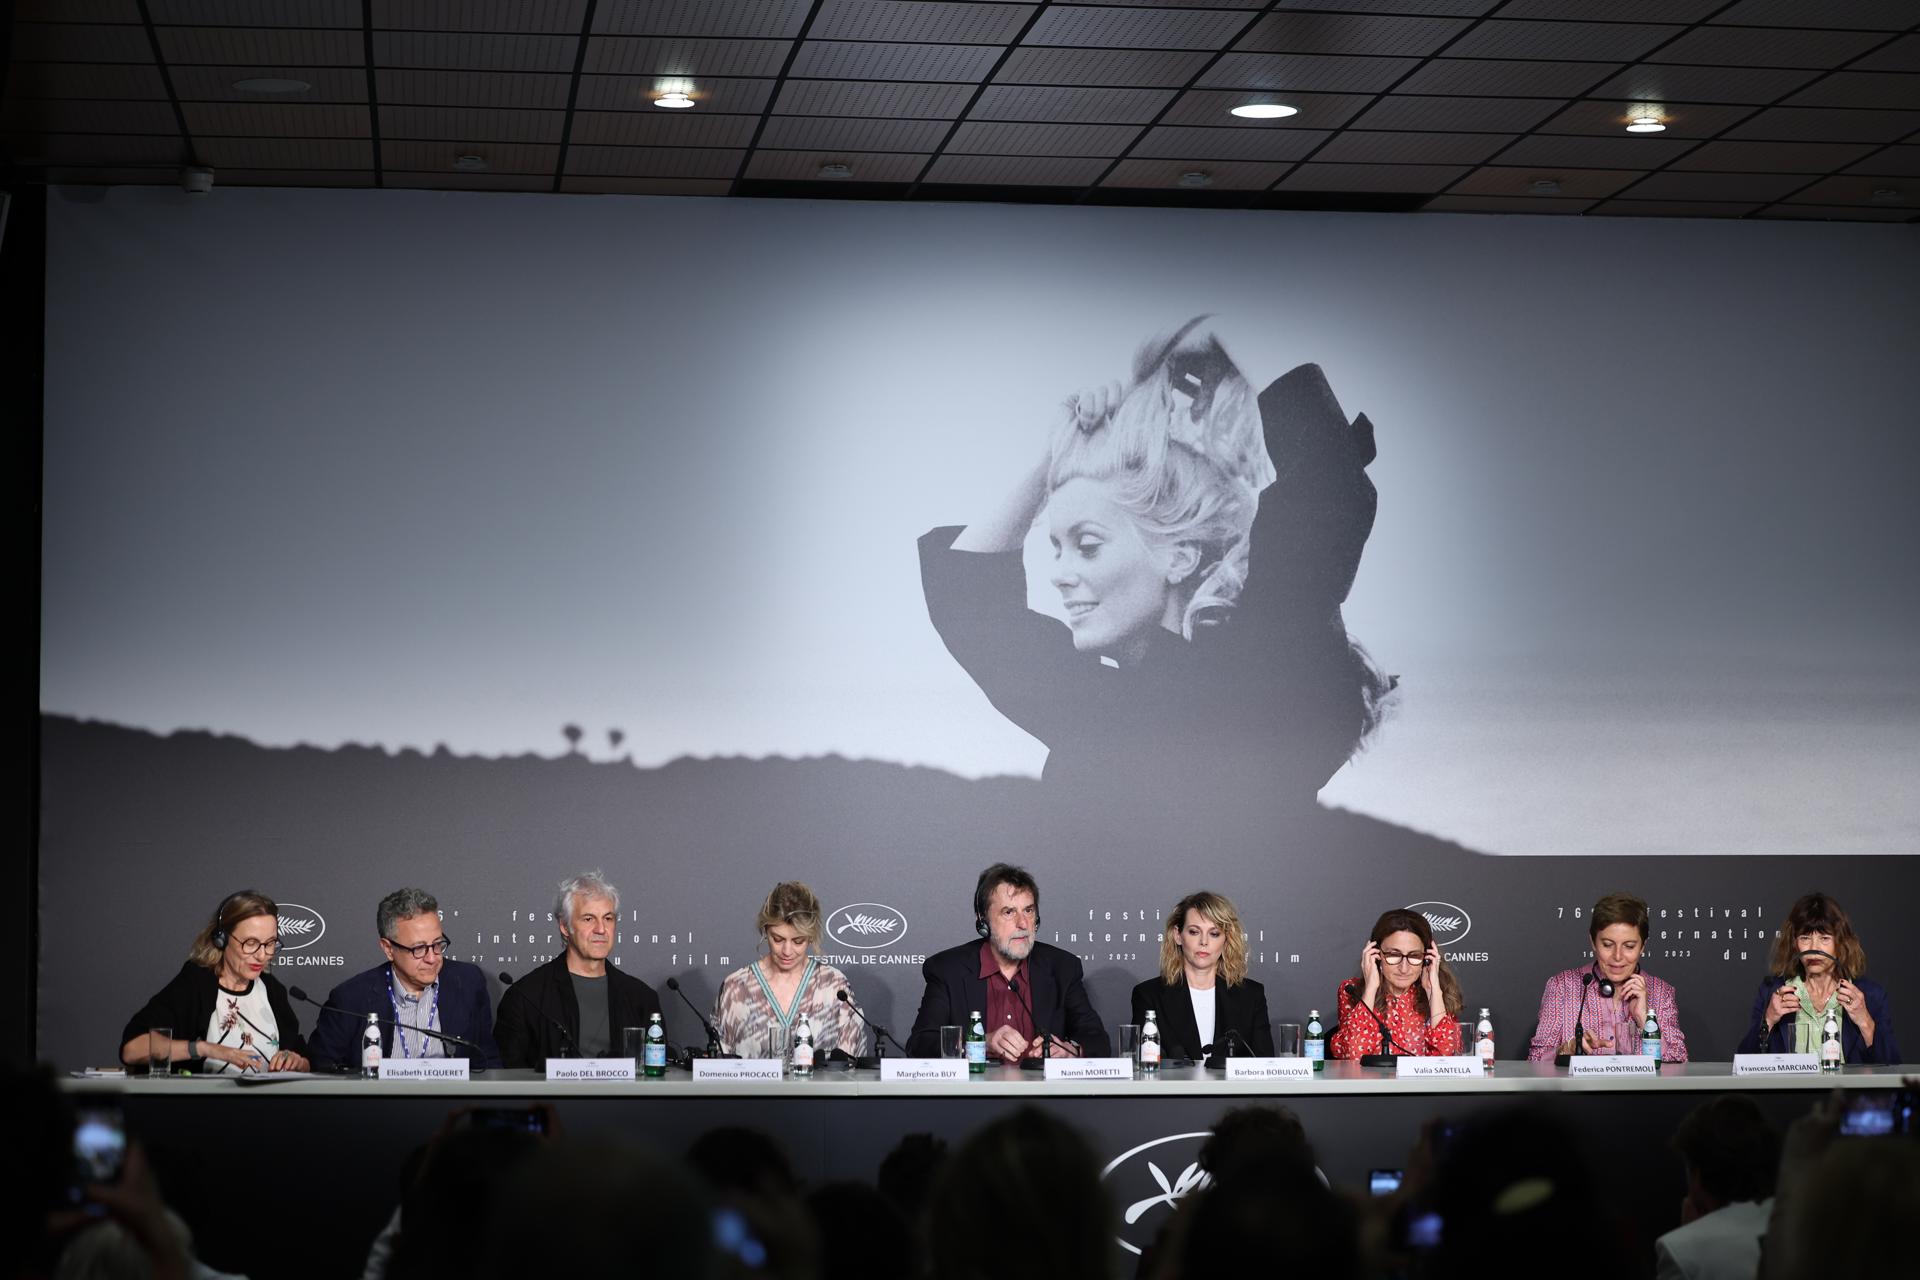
{"x": 342, "y": 1141}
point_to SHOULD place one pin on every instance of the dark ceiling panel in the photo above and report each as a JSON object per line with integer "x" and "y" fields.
{"x": 1283, "y": 71}
{"x": 1561, "y": 41}
{"x": 1466, "y": 115}
{"x": 1089, "y": 27}
{"x": 1656, "y": 82}
{"x": 1495, "y": 79}
{"x": 1350, "y": 33}
{"x": 1083, "y": 106}
{"x": 736, "y": 19}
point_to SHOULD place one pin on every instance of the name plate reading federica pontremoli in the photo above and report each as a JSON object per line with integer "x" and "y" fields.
{"x": 1601, "y": 1064}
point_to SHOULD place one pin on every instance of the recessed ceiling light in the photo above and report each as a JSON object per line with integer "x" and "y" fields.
{"x": 1886, "y": 195}
{"x": 675, "y": 101}
{"x": 836, "y": 170}
{"x": 469, "y": 164}
{"x": 271, "y": 84}
{"x": 1264, "y": 111}
{"x": 1646, "y": 124}
{"x": 1545, "y": 186}
{"x": 1196, "y": 178}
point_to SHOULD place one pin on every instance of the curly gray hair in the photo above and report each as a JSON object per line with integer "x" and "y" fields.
{"x": 588, "y": 884}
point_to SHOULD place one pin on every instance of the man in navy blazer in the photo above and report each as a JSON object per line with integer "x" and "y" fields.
{"x": 1027, "y": 992}
{"x": 418, "y": 989}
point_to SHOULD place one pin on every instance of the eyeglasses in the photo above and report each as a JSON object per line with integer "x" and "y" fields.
{"x": 1396, "y": 957}
{"x": 254, "y": 946}
{"x": 421, "y": 952}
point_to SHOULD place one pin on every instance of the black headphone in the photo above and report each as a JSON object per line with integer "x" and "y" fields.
{"x": 993, "y": 875}
{"x": 219, "y": 937}
{"x": 1606, "y": 984}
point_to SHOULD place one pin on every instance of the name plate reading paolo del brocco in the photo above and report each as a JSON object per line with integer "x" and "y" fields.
{"x": 1462, "y": 1068}
{"x": 589, "y": 1068}
{"x": 425, "y": 1069}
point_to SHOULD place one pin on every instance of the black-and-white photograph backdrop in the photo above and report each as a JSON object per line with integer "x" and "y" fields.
{"x": 1331, "y": 562}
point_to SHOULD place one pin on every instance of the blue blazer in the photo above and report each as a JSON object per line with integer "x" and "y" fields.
{"x": 465, "y": 1011}
{"x": 1885, "y": 1049}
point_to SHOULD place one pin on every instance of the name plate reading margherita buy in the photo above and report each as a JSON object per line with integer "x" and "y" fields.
{"x": 1089, "y": 1068}
{"x": 424, "y": 1069}
{"x": 1775, "y": 1064}
{"x": 1269, "y": 1068}
{"x": 920, "y": 1069}
{"x": 1600, "y": 1064}
{"x": 589, "y": 1068}
{"x": 755, "y": 1069}
{"x": 1462, "y": 1068}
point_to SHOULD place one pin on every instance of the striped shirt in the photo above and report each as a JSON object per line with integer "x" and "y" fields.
{"x": 1609, "y": 1021}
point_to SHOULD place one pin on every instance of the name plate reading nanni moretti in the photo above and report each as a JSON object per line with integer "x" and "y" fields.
{"x": 1775, "y": 1064}
{"x": 922, "y": 1069}
{"x": 1600, "y": 1064}
{"x": 758, "y": 1070}
{"x": 1089, "y": 1069}
{"x": 589, "y": 1068}
{"x": 1269, "y": 1068}
{"x": 425, "y": 1069}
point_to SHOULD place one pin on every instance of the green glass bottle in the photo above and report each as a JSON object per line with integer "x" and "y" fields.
{"x": 976, "y": 1044}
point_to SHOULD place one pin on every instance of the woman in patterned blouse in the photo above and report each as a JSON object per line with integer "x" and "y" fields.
{"x": 1602, "y": 1007}
{"x": 787, "y": 983}
{"x": 1406, "y": 985}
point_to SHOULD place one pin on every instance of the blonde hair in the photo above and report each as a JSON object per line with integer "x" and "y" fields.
{"x": 793, "y": 905}
{"x": 1219, "y": 909}
{"x": 1184, "y": 455}
{"x": 244, "y": 905}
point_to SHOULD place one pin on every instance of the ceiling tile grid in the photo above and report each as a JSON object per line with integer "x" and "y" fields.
{"x": 471, "y": 88}
{"x": 1180, "y": 143}
{"x": 736, "y": 19}
{"x": 872, "y": 98}
{"x": 819, "y": 133}
{"x": 1087, "y": 26}
{"x": 1571, "y": 184}
{"x": 1359, "y": 147}
{"x": 1220, "y": 175}
{"x": 1072, "y": 105}
{"x": 864, "y": 166}
{"x": 1346, "y": 33}
{"x": 1012, "y": 139}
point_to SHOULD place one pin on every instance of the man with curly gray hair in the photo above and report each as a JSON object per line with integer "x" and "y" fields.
{"x": 417, "y": 993}
{"x": 576, "y": 1004}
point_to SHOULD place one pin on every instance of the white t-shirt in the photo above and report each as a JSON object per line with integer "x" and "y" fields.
{"x": 242, "y": 1020}
{"x": 1203, "y": 1014}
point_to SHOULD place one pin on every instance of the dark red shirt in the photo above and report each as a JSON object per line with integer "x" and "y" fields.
{"x": 1004, "y": 1008}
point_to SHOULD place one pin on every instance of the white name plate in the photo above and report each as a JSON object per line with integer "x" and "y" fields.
{"x": 757, "y": 1069}
{"x": 1089, "y": 1069}
{"x": 425, "y": 1069}
{"x": 1775, "y": 1064}
{"x": 1269, "y": 1068}
{"x": 589, "y": 1068}
{"x": 1460, "y": 1068}
{"x": 1600, "y": 1064}
{"x": 923, "y": 1069}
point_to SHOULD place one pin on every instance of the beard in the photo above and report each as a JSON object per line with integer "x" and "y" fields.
{"x": 1015, "y": 948}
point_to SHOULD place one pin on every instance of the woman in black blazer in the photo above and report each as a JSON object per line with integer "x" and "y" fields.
{"x": 1206, "y": 1005}
{"x": 227, "y": 1012}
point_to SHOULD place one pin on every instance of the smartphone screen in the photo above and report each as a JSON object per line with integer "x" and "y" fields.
{"x": 1871, "y": 1113}
{"x": 99, "y": 1146}
{"x": 525, "y": 1119}
{"x": 1383, "y": 1182}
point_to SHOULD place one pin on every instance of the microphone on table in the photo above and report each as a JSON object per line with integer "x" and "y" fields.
{"x": 1394, "y": 1052}
{"x": 444, "y": 1037}
{"x": 540, "y": 1006}
{"x": 1046, "y": 1037}
{"x": 880, "y": 1035}
{"x": 1231, "y": 1036}
{"x": 713, "y": 1049}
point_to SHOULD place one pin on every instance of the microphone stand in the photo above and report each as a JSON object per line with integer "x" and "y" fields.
{"x": 360, "y": 1018}
{"x": 1391, "y": 1057}
{"x": 1033, "y": 1019}
{"x": 1231, "y": 1035}
{"x": 714, "y": 1048}
{"x": 880, "y": 1036}
{"x": 567, "y": 1049}
{"x": 1579, "y": 1022}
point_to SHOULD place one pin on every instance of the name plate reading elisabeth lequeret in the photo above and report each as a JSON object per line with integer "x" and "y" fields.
{"x": 425, "y": 1069}
{"x": 1269, "y": 1068}
{"x": 755, "y": 1069}
{"x": 1089, "y": 1069}
{"x": 921, "y": 1069}
{"x": 1460, "y": 1068}
{"x": 1775, "y": 1064}
{"x": 1601, "y": 1064}
{"x": 589, "y": 1068}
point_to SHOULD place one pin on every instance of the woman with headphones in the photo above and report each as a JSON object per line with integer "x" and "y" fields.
{"x": 787, "y": 983}
{"x": 1817, "y": 971}
{"x": 1602, "y": 1007}
{"x": 228, "y": 1014}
